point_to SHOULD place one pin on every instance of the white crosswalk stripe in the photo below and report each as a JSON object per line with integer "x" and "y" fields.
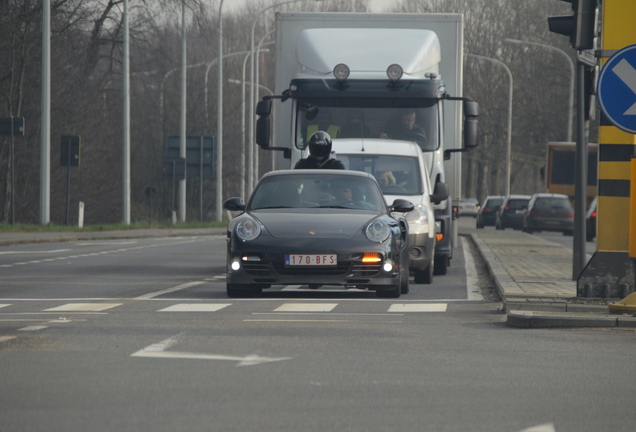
{"x": 83, "y": 307}
{"x": 195, "y": 307}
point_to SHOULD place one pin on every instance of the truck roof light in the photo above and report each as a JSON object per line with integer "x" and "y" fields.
{"x": 341, "y": 71}
{"x": 394, "y": 72}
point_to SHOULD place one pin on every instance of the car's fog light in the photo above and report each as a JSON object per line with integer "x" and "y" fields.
{"x": 235, "y": 265}
{"x": 387, "y": 267}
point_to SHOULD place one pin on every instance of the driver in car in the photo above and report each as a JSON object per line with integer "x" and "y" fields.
{"x": 344, "y": 197}
{"x": 405, "y": 128}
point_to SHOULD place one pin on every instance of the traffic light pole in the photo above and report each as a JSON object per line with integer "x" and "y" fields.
{"x": 580, "y": 179}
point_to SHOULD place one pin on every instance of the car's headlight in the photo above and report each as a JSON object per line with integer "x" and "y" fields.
{"x": 419, "y": 215}
{"x": 377, "y": 231}
{"x": 248, "y": 229}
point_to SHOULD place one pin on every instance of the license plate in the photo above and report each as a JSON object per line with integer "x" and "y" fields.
{"x": 311, "y": 260}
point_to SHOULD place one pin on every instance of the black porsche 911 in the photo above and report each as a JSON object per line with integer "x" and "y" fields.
{"x": 315, "y": 228}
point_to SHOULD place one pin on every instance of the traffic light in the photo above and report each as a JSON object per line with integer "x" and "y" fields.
{"x": 580, "y": 26}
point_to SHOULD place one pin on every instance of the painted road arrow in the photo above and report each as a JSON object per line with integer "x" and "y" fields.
{"x": 158, "y": 350}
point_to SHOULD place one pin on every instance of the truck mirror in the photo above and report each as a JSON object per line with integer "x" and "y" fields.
{"x": 440, "y": 193}
{"x": 264, "y": 107}
{"x": 471, "y": 109}
{"x": 262, "y": 131}
{"x": 471, "y": 123}
{"x": 471, "y": 127}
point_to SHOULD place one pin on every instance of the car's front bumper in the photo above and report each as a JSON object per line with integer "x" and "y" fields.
{"x": 421, "y": 249}
{"x": 266, "y": 266}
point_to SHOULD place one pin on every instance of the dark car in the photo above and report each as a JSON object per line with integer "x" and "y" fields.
{"x": 549, "y": 212}
{"x": 510, "y": 214}
{"x": 315, "y": 228}
{"x": 487, "y": 214}
{"x": 590, "y": 221}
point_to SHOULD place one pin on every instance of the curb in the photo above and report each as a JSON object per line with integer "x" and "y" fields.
{"x": 534, "y": 319}
{"x": 523, "y": 311}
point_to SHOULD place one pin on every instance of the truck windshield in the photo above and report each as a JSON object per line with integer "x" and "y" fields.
{"x": 419, "y": 124}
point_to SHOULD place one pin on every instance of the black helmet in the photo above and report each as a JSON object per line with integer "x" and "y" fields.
{"x": 320, "y": 144}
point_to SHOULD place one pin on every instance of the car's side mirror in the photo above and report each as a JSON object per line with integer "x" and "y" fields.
{"x": 440, "y": 193}
{"x": 234, "y": 204}
{"x": 402, "y": 206}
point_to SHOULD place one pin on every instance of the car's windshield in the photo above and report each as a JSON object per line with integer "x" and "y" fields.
{"x": 317, "y": 191}
{"x": 397, "y": 175}
{"x": 552, "y": 203}
{"x": 419, "y": 124}
{"x": 518, "y": 203}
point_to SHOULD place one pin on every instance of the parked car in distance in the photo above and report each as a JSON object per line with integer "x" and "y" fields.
{"x": 468, "y": 207}
{"x": 510, "y": 214}
{"x": 307, "y": 227}
{"x": 487, "y": 214}
{"x": 590, "y": 221}
{"x": 549, "y": 212}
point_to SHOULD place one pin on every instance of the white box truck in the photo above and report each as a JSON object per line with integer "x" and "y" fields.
{"x": 360, "y": 76}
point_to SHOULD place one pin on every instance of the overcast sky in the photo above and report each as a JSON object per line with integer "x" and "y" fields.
{"x": 376, "y": 5}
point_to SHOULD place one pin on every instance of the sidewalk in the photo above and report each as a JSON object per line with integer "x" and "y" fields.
{"x": 534, "y": 279}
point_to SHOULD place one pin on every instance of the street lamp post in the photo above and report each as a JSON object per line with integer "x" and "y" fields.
{"x": 509, "y": 144}
{"x": 250, "y": 150}
{"x": 243, "y": 114}
{"x": 572, "y": 79}
{"x": 219, "y": 123}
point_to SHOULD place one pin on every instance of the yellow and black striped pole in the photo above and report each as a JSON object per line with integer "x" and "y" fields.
{"x": 611, "y": 271}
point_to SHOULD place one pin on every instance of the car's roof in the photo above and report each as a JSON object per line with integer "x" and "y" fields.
{"x": 550, "y": 195}
{"x": 371, "y": 146}
{"x": 494, "y": 197}
{"x": 322, "y": 172}
{"x": 518, "y": 197}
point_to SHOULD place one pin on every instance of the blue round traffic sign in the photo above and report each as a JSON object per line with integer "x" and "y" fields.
{"x": 616, "y": 89}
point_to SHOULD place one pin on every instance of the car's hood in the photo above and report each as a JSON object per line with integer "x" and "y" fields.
{"x": 319, "y": 224}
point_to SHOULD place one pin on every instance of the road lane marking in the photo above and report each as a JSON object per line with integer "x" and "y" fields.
{"x": 33, "y": 328}
{"x": 4, "y": 305}
{"x": 158, "y": 350}
{"x": 306, "y": 307}
{"x": 195, "y": 307}
{"x": 319, "y": 320}
{"x": 83, "y": 307}
{"x": 34, "y": 252}
{"x": 169, "y": 290}
{"x": 6, "y": 338}
{"x": 418, "y": 307}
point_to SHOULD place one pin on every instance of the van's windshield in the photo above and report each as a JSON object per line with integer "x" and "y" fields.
{"x": 397, "y": 175}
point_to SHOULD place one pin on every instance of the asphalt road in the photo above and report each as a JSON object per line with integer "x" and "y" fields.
{"x": 138, "y": 335}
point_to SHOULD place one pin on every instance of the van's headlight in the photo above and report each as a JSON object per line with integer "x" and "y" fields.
{"x": 377, "y": 231}
{"x": 419, "y": 215}
{"x": 248, "y": 229}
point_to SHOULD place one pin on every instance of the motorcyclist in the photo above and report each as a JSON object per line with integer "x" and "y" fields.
{"x": 319, "y": 152}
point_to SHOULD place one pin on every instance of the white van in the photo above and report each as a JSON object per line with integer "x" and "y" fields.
{"x": 401, "y": 172}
